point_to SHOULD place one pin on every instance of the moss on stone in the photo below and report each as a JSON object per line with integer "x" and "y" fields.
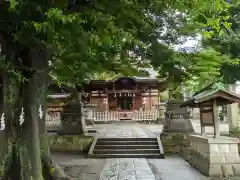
{"x": 70, "y": 143}
{"x": 176, "y": 143}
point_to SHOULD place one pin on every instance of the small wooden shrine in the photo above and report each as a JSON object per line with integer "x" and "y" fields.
{"x": 213, "y": 156}
{"x": 207, "y": 101}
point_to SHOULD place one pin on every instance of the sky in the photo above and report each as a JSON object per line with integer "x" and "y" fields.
{"x": 190, "y": 43}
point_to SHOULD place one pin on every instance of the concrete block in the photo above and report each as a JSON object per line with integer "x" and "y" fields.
{"x": 224, "y": 148}
{"x": 215, "y": 170}
{"x": 236, "y": 169}
{"x": 227, "y": 170}
{"x": 213, "y": 148}
{"x": 200, "y": 147}
{"x": 216, "y": 158}
{"x": 233, "y": 148}
{"x": 232, "y": 158}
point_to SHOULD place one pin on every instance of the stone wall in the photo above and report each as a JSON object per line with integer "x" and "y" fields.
{"x": 235, "y": 134}
{"x": 176, "y": 143}
{"x": 215, "y": 157}
{"x": 70, "y": 143}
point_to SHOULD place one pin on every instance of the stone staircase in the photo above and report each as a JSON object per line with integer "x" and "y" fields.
{"x": 126, "y": 148}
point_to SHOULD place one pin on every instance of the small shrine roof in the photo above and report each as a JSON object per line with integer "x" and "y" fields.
{"x": 206, "y": 97}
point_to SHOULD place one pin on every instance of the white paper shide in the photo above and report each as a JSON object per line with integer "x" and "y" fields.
{"x": 2, "y": 123}
{"x": 40, "y": 112}
{"x": 21, "y": 117}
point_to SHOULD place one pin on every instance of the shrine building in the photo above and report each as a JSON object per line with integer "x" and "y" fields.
{"x": 125, "y": 98}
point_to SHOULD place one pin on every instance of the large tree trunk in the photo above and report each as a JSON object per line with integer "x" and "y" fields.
{"x": 9, "y": 88}
{"x": 27, "y": 155}
{"x": 36, "y": 91}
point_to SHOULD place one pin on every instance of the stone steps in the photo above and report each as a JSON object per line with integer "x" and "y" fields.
{"x": 134, "y": 146}
{"x": 147, "y": 156}
{"x": 127, "y": 143}
{"x": 125, "y": 151}
{"x": 126, "y": 148}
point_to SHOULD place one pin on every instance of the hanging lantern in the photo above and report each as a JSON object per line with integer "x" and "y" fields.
{"x": 144, "y": 100}
{"x": 115, "y": 95}
{"x": 105, "y": 100}
{"x": 120, "y": 94}
{"x": 133, "y": 94}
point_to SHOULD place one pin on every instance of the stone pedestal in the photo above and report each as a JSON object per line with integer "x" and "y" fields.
{"x": 89, "y": 116}
{"x": 173, "y": 125}
{"x": 71, "y": 120}
{"x": 177, "y": 119}
{"x": 215, "y": 157}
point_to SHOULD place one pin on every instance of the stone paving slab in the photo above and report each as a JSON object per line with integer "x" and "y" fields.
{"x": 123, "y": 130}
{"x": 174, "y": 168}
{"x": 170, "y": 168}
{"x": 127, "y": 169}
{"x": 143, "y": 130}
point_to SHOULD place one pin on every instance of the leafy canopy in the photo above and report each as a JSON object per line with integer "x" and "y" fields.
{"x": 87, "y": 37}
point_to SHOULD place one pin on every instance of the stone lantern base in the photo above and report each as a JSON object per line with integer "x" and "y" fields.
{"x": 177, "y": 119}
{"x": 179, "y": 125}
{"x": 71, "y": 120}
{"x": 215, "y": 157}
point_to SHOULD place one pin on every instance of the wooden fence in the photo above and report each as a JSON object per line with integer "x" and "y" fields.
{"x": 53, "y": 116}
{"x": 127, "y": 115}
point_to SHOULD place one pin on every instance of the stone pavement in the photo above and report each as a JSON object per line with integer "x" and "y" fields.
{"x": 127, "y": 169}
{"x": 124, "y": 130}
{"x": 79, "y": 168}
{"x": 171, "y": 168}
{"x": 143, "y": 130}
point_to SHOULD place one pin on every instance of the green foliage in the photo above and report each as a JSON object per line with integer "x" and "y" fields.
{"x": 204, "y": 69}
{"x": 118, "y": 36}
{"x": 228, "y": 44}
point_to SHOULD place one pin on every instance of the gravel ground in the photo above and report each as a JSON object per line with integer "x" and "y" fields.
{"x": 78, "y": 167}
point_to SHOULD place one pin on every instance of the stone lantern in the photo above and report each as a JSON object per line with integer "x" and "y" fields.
{"x": 71, "y": 117}
{"x": 177, "y": 119}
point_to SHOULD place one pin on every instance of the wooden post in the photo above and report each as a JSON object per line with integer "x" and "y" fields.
{"x": 133, "y": 102}
{"x": 158, "y": 104}
{"x": 203, "y": 132}
{"x": 150, "y": 99}
{"x": 216, "y": 120}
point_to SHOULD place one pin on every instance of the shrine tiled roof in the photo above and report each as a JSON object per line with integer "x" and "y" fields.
{"x": 223, "y": 96}
{"x": 135, "y": 78}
